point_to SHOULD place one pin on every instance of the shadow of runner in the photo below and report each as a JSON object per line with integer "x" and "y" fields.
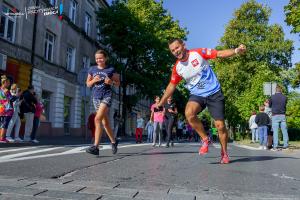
{"x": 255, "y": 159}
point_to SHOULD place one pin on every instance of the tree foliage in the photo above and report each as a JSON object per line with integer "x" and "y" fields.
{"x": 268, "y": 56}
{"x": 137, "y": 32}
{"x": 292, "y": 12}
{"x": 293, "y": 110}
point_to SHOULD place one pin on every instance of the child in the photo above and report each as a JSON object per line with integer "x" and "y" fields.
{"x": 262, "y": 120}
{"x": 150, "y": 128}
{"x": 6, "y": 110}
{"x": 100, "y": 78}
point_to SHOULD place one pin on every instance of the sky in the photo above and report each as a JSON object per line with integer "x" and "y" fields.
{"x": 206, "y": 20}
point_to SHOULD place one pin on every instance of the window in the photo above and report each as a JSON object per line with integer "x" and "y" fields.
{"x": 86, "y": 62}
{"x": 46, "y": 102}
{"x": 67, "y": 114}
{"x": 49, "y": 46}
{"x": 52, "y": 2}
{"x": 70, "y": 59}
{"x": 72, "y": 11}
{"x": 87, "y": 24}
{"x": 7, "y": 24}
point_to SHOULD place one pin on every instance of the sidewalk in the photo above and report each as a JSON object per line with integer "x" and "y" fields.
{"x": 64, "y": 140}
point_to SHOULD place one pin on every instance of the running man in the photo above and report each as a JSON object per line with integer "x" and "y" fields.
{"x": 204, "y": 87}
{"x": 101, "y": 78}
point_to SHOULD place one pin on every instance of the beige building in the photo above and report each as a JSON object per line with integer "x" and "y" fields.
{"x": 53, "y": 54}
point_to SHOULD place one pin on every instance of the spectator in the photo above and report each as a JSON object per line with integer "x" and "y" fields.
{"x": 39, "y": 109}
{"x": 180, "y": 125}
{"x": 262, "y": 120}
{"x": 170, "y": 115}
{"x": 117, "y": 121}
{"x": 28, "y": 109}
{"x": 15, "y": 121}
{"x": 140, "y": 123}
{"x": 91, "y": 125}
{"x": 6, "y": 110}
{"x": 157, "y": 116}
{"x": 278, "y": 103}
{"x": 253, "y": 127}
{"x": 268, "y": 111}
{"x": 150, "y": 128}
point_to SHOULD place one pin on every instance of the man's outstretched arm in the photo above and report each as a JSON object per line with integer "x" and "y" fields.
{"x": 169, "y": 92}
{"x": 231, "y": 52}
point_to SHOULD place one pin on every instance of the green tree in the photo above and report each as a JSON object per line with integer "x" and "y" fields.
{"x": 268, "y": 55}
{"x": 292, "y": 12}
{"x": 293, "y": 110}
{"x": 136, "y": 33}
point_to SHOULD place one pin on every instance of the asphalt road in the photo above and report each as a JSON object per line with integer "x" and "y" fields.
{"x": 143, "y": 172}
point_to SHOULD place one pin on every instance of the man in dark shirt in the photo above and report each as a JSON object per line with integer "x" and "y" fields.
{"x": 170, "y": 114}
{"x": 278, "y": 104}
{"x": 262, "y": 120}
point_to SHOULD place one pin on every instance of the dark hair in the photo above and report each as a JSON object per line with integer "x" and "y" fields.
{"x": 174, "y": 40}
{"x": 101, "y": 51}
{"x": 278, "y": 88}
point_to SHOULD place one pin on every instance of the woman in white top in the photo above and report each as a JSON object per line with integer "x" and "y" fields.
{"x": 253, "y": 126}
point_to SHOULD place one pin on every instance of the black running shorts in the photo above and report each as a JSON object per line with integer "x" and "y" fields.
{"x": 215, "y": 104}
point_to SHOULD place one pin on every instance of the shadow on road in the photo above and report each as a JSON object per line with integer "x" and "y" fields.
{"x": 255, "y": 159}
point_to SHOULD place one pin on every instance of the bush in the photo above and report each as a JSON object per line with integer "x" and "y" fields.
{"x": 294, "y": 134}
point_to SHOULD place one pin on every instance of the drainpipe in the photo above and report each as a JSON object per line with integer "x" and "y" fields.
{"x": 33, "y": 41}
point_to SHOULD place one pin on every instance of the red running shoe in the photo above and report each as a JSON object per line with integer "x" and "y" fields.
{"x": 224, "y": 158}
{"x": 204, "y": 148}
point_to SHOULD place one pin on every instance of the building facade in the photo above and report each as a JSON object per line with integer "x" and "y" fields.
{"x": 53, "y": 54}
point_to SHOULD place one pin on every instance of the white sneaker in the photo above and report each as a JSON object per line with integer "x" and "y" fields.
{"x": 265, "y": 148}
{"x": 10, "y": 140}
{"x": 18, "y": 139}
{"x": 35, "y": 141}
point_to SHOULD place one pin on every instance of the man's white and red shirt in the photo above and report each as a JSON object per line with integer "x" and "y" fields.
{"x": 199, "y": 76}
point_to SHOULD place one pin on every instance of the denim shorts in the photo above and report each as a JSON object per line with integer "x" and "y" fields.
{"x": 4, "y": 121}
{"x": 105, "y": 99}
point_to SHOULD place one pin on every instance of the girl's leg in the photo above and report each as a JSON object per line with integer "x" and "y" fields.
{"x": 106, "y": 125}
{"x": 98, "y": 119}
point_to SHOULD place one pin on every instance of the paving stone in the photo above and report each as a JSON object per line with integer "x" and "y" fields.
{"x": 172, "y": 196}
{"x": 129, "y": 193}
{"x": 144, "y": 194}
{"x": 69, "y": 195}
{"x": 56, "y": 186}
{"x": 15, "y": 182}
{"x": 18, "y": 190}
{"x": 21, "y": 197}
{"x": 94, "y": 184}
{"x": 105, "y": 197}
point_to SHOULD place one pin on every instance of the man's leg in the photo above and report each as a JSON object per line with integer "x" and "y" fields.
{"x": 168, "y": 129}
{"x": 191, "y": 110}
{"x": 223, "y": 134}
{"x": 285, "y": 135}
{"x": 275, "y": 126}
